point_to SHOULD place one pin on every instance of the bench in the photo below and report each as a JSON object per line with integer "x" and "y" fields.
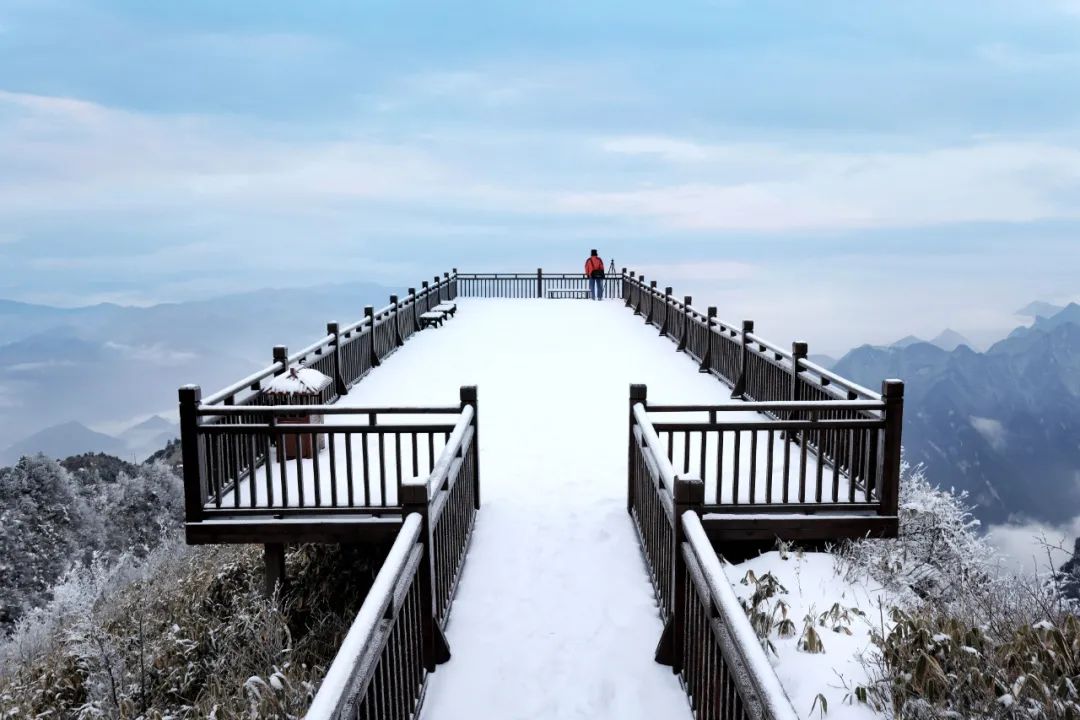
{"x": 568, "y": 293}
{"x": 432, "y": 318}
{"x": 447, "y": 308}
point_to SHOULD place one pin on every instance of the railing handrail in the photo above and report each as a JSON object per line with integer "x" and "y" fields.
{"x": 667, "y": 472}
{"x": 769, "y": 692}
{"x": 327, "y": 410}
{"x": 450, "y": 450}
{"x": 839, "y": 380}
{"x": 757, "y": 406}
{"x": 336, "y": 683}
{"x": 244, "y": 384}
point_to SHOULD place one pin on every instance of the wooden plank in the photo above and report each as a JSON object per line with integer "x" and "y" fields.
{"x": 729, "y": 528}
{"x": 293, "y": 530}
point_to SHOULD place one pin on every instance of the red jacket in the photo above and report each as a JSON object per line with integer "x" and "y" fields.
{"x": 593, "y": 263}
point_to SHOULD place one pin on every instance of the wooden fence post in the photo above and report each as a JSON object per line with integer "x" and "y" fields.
{"x": 744, "y": 356}
{"x": 628, "y": 287}
{"x": 415, "y": 314}
{"x": 689, "y": 495}
{"x": 469, "y": 397}
{"x": 333, "y": 328}
{"x": 454, "y": 283}
{"x": 799, "y": 351}
{"x": 369, "y": 313}
{"x": 425, "y": 290}
{"x": 667, "y": 311}
{"x": 191, "y": 452}
{"x": 539, "y": 282}
{"x": 652, "y": 302}
{"x": 706, "y": 360}
{"x": 438, "y": 289}
{"x": 398, "y": 341}
{"x": 638, "y": 394}
{"x": 892, "y": 393}
{"x": 281, "y": 355}
{"x": 415, "y": 499}
{"x": 687, "y": 302}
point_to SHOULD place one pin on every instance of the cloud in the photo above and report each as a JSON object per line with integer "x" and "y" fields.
{"x": 156, "y": 354}
{"x": 773, "y": 188}
{"x": 991, "y": 430}
{"x": 1031, "y": 548}
{"x": 714, "y": 270}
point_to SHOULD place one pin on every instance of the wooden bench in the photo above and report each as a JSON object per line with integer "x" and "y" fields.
{"x": 447, "y": 308}
{"x": 568, "y": 293}
{"x": 432, "y": 318}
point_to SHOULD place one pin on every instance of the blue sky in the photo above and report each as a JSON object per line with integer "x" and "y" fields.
{"x": 841, "y": 171}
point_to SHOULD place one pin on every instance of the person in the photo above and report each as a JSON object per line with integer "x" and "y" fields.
{"x": 594, "y": 271}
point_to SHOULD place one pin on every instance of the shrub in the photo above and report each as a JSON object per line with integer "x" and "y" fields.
{"x": 184, "y": 633}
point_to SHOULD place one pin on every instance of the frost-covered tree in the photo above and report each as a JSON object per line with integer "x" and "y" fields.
{"x": 45, "y": 527}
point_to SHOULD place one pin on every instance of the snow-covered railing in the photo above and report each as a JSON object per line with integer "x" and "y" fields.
{"x": 707, "y": 637}
{"x": 755, "y": 368}
{"x": 724, "y": 668}
{"x": 379, "y": 671}
{"x": 539, "y": 284}
{"x": 347, "y": 352}
{"x": 303, "y": 459}
{"x": 730, "y": 456}
{"x": 397, "y": 639}
{"x": 793, "y": 457}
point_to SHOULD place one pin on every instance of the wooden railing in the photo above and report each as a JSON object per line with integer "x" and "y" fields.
{"x": 723, "y": 666}
{"x": 228, "y": 437}
{"x": 707, "y": 636}
{"x": 276, "y": 458}
{"x": 530, "y": 285}
{"x": 397, "y": 639}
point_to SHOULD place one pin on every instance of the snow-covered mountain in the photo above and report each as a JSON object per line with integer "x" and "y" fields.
{"x": 1002, "y": 424}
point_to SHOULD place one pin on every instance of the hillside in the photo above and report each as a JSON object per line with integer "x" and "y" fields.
{"x": 1000, "y": 425}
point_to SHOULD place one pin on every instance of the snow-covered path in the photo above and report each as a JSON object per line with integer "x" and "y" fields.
{"x": 555, "y": 616}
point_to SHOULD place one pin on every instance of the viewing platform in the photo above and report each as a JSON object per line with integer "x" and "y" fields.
{"x": 640, "y": 403}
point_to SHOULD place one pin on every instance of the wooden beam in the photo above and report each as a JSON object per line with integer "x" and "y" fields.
{"x": 298, "y": 530}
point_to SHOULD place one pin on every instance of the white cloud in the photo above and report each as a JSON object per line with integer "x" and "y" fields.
{"x": 713, "y": 270}
{"x": 991, "y": 430}
{"x": 156, "y": 354}
{"x": 1034, "y": 547}
{"x": 770, "y": 187}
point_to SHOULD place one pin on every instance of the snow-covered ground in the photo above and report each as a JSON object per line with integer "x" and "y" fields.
{"x": 842, "y": 613}
{"x": 555, "y": 616}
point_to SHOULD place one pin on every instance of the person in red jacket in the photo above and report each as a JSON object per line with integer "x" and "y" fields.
{"x": 594, "y": 271}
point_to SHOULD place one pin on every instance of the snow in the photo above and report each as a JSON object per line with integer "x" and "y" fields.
{"x": 555, "y": 615}
{"x": 815, "y": 587}
{"x": 298, "y": 381}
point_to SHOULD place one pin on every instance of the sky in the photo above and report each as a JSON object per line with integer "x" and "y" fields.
{"x": 841, "y": 172}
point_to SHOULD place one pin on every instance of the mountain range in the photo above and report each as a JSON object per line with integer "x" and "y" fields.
{"x": 110, "y": 365}
{"x": 1002, "y": 425}
{"x": 136, "y": 443}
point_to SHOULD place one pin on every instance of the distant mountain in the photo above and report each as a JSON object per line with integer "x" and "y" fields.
{"x": 1002, "y": 425}
{"x": 62, "y": 441}
{"x": 949, "y": 339}
{"x": 110, "y": 364}
{"x": 907, "y": 341}
{"x": 149, "y": 436}
{"x": 825, "y": 361}
{"x": 1039, "y": 308}
{"x": 946, "y": 340}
